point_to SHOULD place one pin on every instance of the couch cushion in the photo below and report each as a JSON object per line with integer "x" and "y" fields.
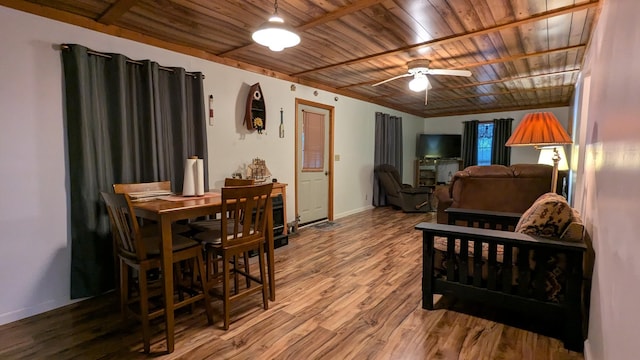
{"x": 532, "y": 171}
{"x": 575, "y": 229}
{"x": 548, "y": 216}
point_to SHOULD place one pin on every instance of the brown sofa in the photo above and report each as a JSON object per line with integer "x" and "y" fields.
{"x": 495, "y": 188}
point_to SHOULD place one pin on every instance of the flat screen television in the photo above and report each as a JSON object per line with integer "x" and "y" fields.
{"x": 441, "y": 146}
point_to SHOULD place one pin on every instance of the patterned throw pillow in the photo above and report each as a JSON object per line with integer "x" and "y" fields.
{"x": 548, "y": 216}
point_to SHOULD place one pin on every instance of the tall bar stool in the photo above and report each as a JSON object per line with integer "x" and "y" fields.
{"x": 214, "y": 224}
{"x": 244, "y": 211}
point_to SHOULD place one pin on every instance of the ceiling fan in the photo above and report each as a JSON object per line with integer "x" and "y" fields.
{"x": 419, "y": 69}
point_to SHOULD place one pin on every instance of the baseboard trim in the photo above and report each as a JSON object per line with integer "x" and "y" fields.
{"x": 354, "y": 211}
{"x": 37, "y": 309}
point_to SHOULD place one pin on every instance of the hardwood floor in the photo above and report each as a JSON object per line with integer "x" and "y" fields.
{"x": 348, "y": 291}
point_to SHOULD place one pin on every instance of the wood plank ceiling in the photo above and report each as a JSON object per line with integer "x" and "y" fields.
{"x": 522, "y": 53}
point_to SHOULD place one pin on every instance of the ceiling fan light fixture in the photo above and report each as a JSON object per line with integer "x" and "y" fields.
{"x": 275, "y": 34}
{"x": 419, "y": 82}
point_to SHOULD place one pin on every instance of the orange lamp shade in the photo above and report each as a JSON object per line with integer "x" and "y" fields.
{"x": 539, "y": 129}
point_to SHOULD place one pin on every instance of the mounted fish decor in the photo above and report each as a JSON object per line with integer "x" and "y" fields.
{"x": 255, "y": 116}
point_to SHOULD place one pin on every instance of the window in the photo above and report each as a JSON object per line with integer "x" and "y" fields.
{"x": 312, "y": 142}
{"x": 485, "y": 141}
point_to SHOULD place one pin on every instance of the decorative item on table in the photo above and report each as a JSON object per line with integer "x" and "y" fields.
{"x": 193, "y": 184}
{"x": 258, "y": 171}
{"x": 255, "y": 116}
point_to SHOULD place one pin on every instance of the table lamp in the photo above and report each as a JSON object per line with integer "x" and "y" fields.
{"x": 542, "y": 129}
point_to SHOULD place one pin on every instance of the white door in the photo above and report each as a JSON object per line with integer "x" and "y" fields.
{"x": 313, "y": 162}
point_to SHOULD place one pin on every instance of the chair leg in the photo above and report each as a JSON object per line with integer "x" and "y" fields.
{"x": 177, "y": 280}
{"x": 263, "y": 277}
{"x": 144, "y": 309}
{"x": 236, "y": 280}
{"x": 225, "y": 290}
{"x": 124, "y": 289}
{"x": 214, "y": 260}
{"x": 246, "y": 268}
{"x": 205, "y": 288}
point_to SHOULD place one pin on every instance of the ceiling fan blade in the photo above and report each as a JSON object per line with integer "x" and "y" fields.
{"x": 449, "y": 72}
{"x": 393, "y": 78}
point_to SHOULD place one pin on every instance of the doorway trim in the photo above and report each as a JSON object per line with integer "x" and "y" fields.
{"x": 331, "y": 110}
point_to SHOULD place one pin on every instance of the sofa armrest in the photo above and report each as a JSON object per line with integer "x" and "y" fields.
{"x": 442, "y": 194}
{"x": 499, "y": 237}
{"x": 444, "y": 201}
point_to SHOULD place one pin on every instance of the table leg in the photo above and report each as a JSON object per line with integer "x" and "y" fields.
{"x": 167, "y": 274}
{"x": 270, "y": 255}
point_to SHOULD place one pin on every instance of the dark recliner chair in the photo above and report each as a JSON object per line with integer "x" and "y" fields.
{"x": 400, "y": 195}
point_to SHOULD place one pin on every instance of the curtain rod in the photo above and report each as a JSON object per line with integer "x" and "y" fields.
{"x": 97, "y": 53}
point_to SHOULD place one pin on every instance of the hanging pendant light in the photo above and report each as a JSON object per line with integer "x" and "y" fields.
{"x": 419, "y": 82}
{"x": 275, "y": 34}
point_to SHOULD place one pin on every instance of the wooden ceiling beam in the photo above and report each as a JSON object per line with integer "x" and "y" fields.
{"x": 498, "y": 81}
{"x": 474, "y": 96}
{"x": 519, "y": 57}
{"x": 456, "y": 111}
{"x": 331, "y": 16}
{"x": 502, "y": 93}
{"x": 473, "y": 84}
{"x": 337, "y": 14}
{"x": 459, "y": 37}
{"x": 115, "y": 11}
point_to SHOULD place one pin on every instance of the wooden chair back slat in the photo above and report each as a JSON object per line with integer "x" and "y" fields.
{"x": 238, "y": 182}
{"x": 250, "y": 204}
{"x": 125, "y": 226}
{"x": 140, "y": 187}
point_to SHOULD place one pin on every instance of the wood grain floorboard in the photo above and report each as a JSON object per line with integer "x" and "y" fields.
{"x": 347, "y": 291}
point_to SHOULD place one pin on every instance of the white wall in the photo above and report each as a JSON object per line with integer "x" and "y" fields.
{"x": 35, "y": 257}
{"x": 519, "y": 154}
{"x": 608, "y": 181}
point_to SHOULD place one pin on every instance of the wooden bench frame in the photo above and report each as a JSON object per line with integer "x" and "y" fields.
{"x": 497, "y": 288}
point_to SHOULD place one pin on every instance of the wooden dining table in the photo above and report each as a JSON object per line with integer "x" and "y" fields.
{"x": 166, "y": 212}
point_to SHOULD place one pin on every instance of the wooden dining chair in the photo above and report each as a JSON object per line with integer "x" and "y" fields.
{"x": 165, "y": 186}
{"x": 237, "y": 236}
{"x": 213, "y": 224}
{"x": 142, "y": 253}
{"x": 147, "y": 227}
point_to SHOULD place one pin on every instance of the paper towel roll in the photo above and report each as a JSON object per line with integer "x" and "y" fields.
{"x": 193, "y": 184}
{"x": 199, "y": 177}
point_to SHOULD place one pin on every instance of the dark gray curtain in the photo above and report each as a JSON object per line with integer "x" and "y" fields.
{"x": 501, "y": 154}
{"x": 388, "y": 150}
{"x": 470, "y": 143}
{"x": 126, "y": 122}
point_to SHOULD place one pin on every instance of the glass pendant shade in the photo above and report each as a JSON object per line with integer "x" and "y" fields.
{"x": 419, "y": 83}
{"x": 275, "y": 34}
